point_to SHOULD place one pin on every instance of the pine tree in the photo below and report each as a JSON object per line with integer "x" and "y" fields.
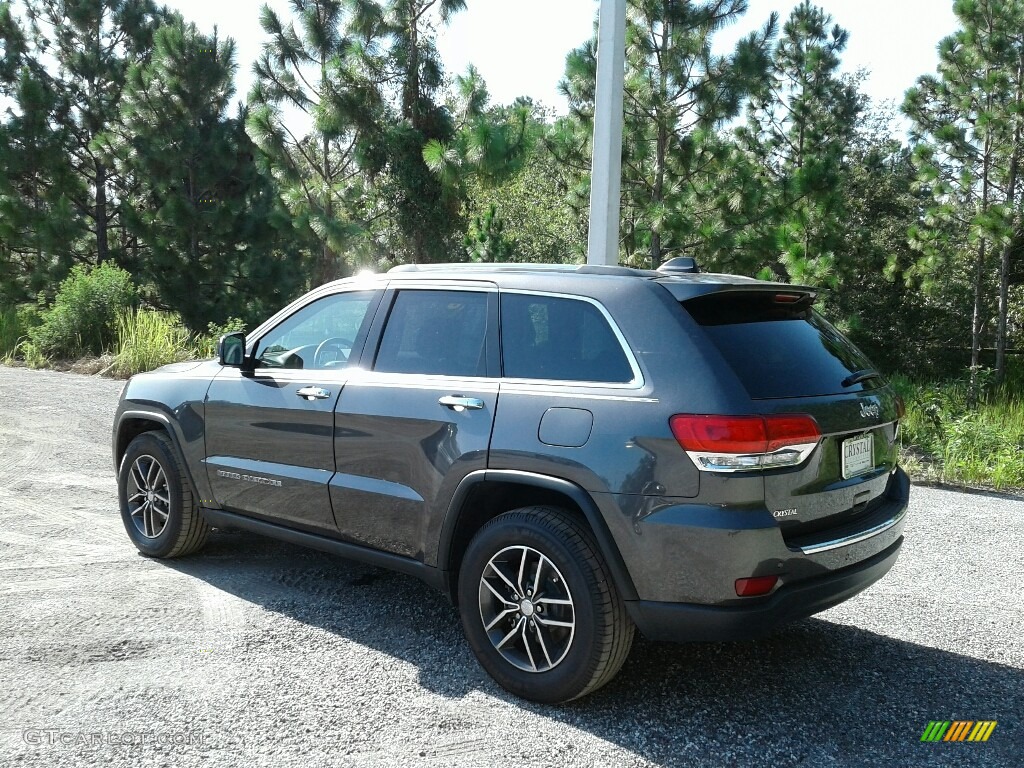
{"x": 678, "y": 94}
{"x": 422, "y": 216}
{"x": 38, "y": 225}
{"x": 490, "y": 146}
{"x": 799, "y": 130}
{"x": 967, "y": 124}
{"x": 322, "y": 66}
{"x": 489, "y": 143}
{"x": 207, "y": 221}
{"x": 93, "y": 42}
{"x": 486, "y": 240}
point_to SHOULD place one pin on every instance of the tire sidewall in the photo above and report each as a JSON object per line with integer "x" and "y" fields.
{"x": 149, "y": 445}
{"x": 572, "y": 675}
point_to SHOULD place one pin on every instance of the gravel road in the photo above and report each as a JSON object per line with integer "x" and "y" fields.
{"x": 260, "y": 653}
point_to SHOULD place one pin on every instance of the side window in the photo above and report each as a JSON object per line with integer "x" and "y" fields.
{"x": 435, "y": 332}
{"x": 320, "y": 336}
{"x": 546, "y": 337}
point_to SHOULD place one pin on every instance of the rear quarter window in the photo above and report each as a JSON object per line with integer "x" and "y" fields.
{"x": 559, "y": 339}
{"x": 779, "y": 350}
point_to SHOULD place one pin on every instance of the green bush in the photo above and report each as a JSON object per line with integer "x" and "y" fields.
{"x": 206, "y": 345}
{"x": 946, "y": 438}
{"x": 147, "y": 339}
{"x": 84, "y": 314}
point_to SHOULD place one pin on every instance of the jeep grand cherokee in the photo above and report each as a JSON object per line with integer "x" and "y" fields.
{"x": 570, "y": 453}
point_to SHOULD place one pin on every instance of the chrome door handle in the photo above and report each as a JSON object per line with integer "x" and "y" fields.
{"x": 459, "y": 404}
{"x": 313, "y": 393}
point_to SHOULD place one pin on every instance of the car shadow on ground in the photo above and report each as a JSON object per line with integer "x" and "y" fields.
{"x": 815, "y": 693}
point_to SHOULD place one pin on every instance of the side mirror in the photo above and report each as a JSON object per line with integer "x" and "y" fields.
{"x": 231, "y": 350}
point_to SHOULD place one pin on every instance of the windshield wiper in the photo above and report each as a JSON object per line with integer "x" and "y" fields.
{"x": 858, "y": 376}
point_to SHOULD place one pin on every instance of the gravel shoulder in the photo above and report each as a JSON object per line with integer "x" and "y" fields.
{"x": 257, "y": 653}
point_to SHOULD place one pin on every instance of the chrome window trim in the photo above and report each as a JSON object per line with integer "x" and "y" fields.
{"x": 476, "y": 286}
{"x": 531, "y": 389}
{"x": 637, "y": 381}
{"x": 423, "y": 380}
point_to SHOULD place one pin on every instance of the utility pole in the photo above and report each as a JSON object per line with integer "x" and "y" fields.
{"x": 606, "y": 176}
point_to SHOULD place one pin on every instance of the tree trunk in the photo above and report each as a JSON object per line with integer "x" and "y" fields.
{"x": 1004, "y": 263}
{"x": 659, "y": 193}
{"x": 661, "y": 151}
{"x": 102, "y": 248}
{"x": 326, "y": 268}
{"x": 412, "y": 84}
{"x": 979, "y": 273}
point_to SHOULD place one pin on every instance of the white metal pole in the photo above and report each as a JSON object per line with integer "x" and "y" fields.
{"x": 606, "y": 178}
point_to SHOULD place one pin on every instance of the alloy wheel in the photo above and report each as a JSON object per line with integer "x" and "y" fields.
{"x": 527, "y": 609}
{"x": 149, "y": 500}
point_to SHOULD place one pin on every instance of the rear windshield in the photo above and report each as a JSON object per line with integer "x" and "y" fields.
{"x": 780, "y": 350}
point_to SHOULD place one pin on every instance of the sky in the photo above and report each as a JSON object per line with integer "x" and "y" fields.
{"x": 519, "y": 46}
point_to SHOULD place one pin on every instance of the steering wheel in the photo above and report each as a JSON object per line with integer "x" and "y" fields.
{"x": 340, "y": 346}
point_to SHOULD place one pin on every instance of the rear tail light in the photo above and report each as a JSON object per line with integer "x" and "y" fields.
{"x": 745, "y": 443}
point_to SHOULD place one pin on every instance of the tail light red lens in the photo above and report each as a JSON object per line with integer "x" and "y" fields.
{"x": 790, "y": 430}
{"x": 729, "y": 434}
{"x": 755, "y": 585}
{"x": 745, "y": 443}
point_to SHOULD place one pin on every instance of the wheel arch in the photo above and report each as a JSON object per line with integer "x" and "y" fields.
{"x": 485, "y": 494}
{"x": 131, "y": 424}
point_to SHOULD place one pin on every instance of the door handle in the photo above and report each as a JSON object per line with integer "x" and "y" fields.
{"x": 459, "y": 404}
{"x": 313, "y": 393}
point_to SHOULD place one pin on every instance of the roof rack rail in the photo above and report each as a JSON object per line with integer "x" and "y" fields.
{"x": 584, "y": 269}
{"x": 484, "y": 267}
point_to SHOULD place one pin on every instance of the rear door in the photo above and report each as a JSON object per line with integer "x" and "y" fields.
{"x": 270, "y": 432}
{"x": 790, "y": 360}
{"x": 419, "y": 419}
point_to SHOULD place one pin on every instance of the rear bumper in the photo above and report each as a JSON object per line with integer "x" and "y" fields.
{"x": 682, "y": 622}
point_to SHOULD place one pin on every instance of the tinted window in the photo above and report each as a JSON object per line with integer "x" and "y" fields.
{"x": 319, "y": 336}
{"x": 544, "y": 337}
{"x": 435, "y": 332}
{"x": 779, "y": 350}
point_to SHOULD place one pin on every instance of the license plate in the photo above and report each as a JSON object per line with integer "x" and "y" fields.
{"x": 857, "y": 455}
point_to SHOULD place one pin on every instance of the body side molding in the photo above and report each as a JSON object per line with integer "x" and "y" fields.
{"x": 222, "y": 519}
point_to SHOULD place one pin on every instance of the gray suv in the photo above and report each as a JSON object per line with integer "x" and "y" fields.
{"x": 569, "y": 453}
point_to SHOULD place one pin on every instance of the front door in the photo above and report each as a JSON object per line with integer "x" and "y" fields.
{"x": 270, "y": 432}
{"x": 419, "y": 420}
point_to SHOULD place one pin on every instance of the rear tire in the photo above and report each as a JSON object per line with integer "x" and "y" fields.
{"x": 539, "y": 608}
{"x": 157, "y": 506}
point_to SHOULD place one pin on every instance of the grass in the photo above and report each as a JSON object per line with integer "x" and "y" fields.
{"x": 144, "y": 339}
{"x": 147, "y": 339}
{"x": 11, "y": 332}
{"x": 945, "y": 439}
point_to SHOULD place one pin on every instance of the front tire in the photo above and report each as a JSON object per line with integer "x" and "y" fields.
{"x": 157, "y": 506}
{"x": 539, "y": 608}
